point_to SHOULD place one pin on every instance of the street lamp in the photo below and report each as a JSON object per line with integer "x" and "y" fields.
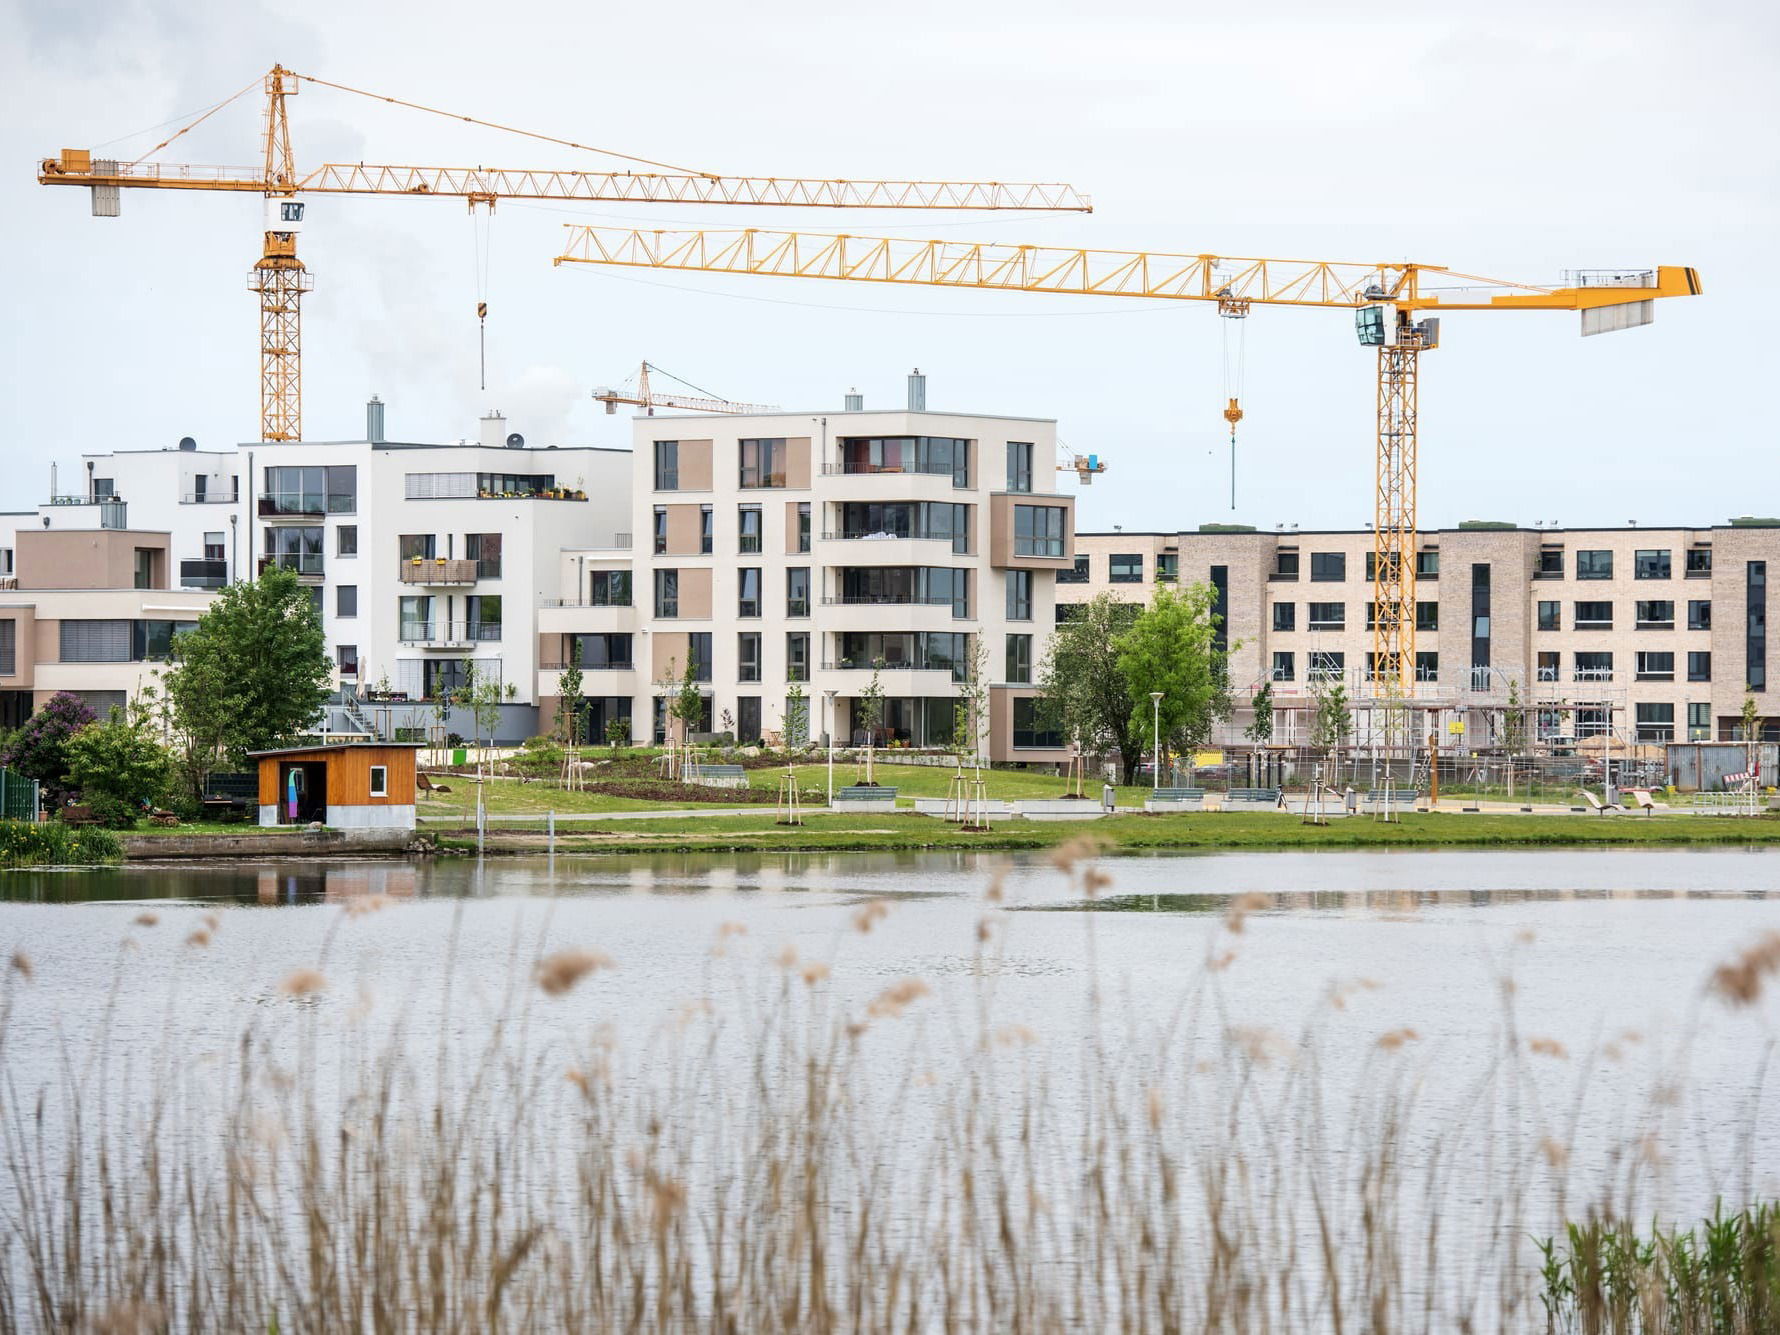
{"x": 830, "y": 692}
{"x": 1155, "y": 739}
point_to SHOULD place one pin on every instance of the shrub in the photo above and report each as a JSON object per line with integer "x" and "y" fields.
{"x": 52, "y": 844}
{"x": 112, "y": 811}
{"x": 537, "y": 758}
{"x": 39, "y": 750}
{"x": 118, "y": 768}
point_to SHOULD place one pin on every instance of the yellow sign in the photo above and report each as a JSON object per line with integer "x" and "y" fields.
{"x": 1203, "y": 758}
{"x": 1456, "y": 727}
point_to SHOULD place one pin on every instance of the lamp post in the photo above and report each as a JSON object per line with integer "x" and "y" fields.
{"x": 830, "y": 692}
{"x": 1155, "y": 740}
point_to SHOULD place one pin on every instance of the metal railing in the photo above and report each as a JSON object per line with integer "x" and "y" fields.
{"x": 203, "y": 574}
{"x": 899, "y": 600}
{"x": 449, "y": 632}
{"x": 303, "y": 563}
{"x": 228, "y": 497}
{"x": 438, "y": 570}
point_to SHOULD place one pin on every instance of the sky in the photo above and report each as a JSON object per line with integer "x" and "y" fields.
{"x": 1514, "y": 140}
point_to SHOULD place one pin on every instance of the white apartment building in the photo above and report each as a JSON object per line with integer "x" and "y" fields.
{"x": 808, "y": 550}
{"x": 1650, "y": 633}
{"x": 421, "y": 556}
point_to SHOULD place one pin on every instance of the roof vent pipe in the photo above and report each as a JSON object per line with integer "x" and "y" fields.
{"x": 374, "y": 420}
{"x": 917, "y": 391}
{"x": 855, "y": 401}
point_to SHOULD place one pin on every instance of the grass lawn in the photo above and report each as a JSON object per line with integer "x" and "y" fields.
{"x": 912, "y": 781}
{"x": 1133, "y": 833}
{"x": 212, "y": 827}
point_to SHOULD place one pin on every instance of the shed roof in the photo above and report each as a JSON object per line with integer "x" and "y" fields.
{"x": 334, "y": 748}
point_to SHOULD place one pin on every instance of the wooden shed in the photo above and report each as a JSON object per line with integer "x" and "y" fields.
{"x": 349, "y": 786}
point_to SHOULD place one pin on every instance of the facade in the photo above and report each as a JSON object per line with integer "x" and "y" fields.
{"x": 1650, "y": 634}
{"x": 798, "y": 552}
{"x": 85, "y": 610}
{"x": 356, "y": 786}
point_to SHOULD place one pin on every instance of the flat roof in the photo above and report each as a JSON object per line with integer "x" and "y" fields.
{"x": 1425, "y": 532}
{"x": 324, "y": 747}
{"x": 839, "y": 412}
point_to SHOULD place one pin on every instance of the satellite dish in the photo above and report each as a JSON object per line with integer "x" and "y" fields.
{"x": 187, "y": 443}
{"x": 516, "y": 441}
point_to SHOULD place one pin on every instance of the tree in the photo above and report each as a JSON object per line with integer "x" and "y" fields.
{"x": 868, "y": 713}
{"x": 1260, "y": 731}
{"x": 688, "y": 705}
{"x": 617, "y": 732}
{"x": 797, "y": 716}
{"x": 118, "y": 766}
{"x": 1514, "y": 720}
{"x": 251, "y": 675}
{"x": 568, "y": 694}
{"x": 1171, "y": 647}
{"x": 1333, "y": 720}
{"x": 39, "y": 749}
{"x": 1082, "y": 692}
{"x": 1750, "y": 716}
{"x": 972, "y": 718}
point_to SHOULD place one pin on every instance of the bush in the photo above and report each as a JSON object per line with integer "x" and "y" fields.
{"x": 118, "y": 768}
{"x": 52, "y": 844}
{"x": 112, "y": 811}
{"x": 39, "y": 750}
{"x": 538, "y": 758}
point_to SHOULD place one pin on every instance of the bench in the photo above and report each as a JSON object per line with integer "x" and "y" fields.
{"x": 77, "y": 814}
{"x": 866, "y": 795}
{"x": 1398, "y": 799}
{"x": 1597, "y": 806}
{"x": 424, "y": 783}
{"x": 1175, "y": 799}
{"x": 716, "y": 776}
{"x": 1252, "y": 799}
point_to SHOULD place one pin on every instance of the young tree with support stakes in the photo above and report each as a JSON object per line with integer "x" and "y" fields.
{"x": 868, "y": 713}
{"x": 797, "y": 716}
{"x": 1260, "y": 729}
{"x": 971, "y": 720}
{"x": 569, "y": 685}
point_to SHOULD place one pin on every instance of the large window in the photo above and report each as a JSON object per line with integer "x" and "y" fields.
{"x": 1651, "y": 564}
{"x": 1427, "y": 616}
{"x": 698, "y": 653}
{"x": 1699, "y": 722}
{"x": 1328, "y": 567}
{"x": 415, "y": 547}
{"x": 117, "y": 641}
{"x": 1019, "y": 595}
{"x": 763, "y": 463}
{"x": 1078, "y": 574}
{"x": 1594, "y": 565}
{"x": 1656, "y": 722}
{"x": 414, "y": 617}
{"x": 1124, "y": 568}
{"x": 296, "y": 549}
{"x": 1285, "y": 616}
{"x": 747, "y": 719}
{"x": 797, "y": 591}
{"x": 608, "y": 588}
{"x": 667, "y": 465}
{"x": 934, "y": 586}
{"x": 312, "y": 490}
{"x": 515, "y": 485}
{"x": 1656, "y": 614}
{"x": 482, "y": 616}
{"x": 1019, "y": 465}
{"x": 9, "y": 647}
{"x": 1699, "y": 665}
{"x": 1550, "y": 665}
{"x": 667, "y": 593}
{"x": 748, "y": 528}
{"x": 1427, "y": 665}
{"x": 346, "y": 659}
{"x": 748, "y": 591}
{"x": 1285, "y": 565}
{"x": 1427, "y": 564}
{"x": 1593, "y": 616}
{"x": 939, "y": 651}
{"x": 1550, "y": 564}
{"x": 907, "y": 454}
{"x": 1656, "y": 665}
{"x": 1326, "y": 616}
{"x": 1755, "y": 641}
{"x": 747, "y": 656}
{"x": 1032, "y": 729}
{"x": 1592, "y": 665}
{"x": 1019, "y": 660}
{"x": 600, "y": 651}
{"x": 1038, "y": 530}
{"x": 1699, "y": 563}
{"x": 485, "y": 550}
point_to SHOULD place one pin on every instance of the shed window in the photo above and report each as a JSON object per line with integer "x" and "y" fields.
{"x": 380, "y": 781}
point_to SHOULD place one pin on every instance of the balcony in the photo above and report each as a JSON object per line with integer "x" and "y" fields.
{"x": 203, "y": 574}
{"x": 293, "y": 508}
{"x": 306, "y": 565}
{"x": 953, "y": 671}
{"x": 222, "y": 496}
{"x": 438, "y": 572}
{"x": 449, "y": 634}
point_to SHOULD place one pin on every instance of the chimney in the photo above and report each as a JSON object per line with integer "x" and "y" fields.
{"x": 374, "y": 420}
{"x": 855, "y": 402}
{"x": 494, "y": 430}
{"x": 917, "y": 391}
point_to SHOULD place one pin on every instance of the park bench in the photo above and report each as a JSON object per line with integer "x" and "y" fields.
{"x": 716, "y": 776}
{"x": 424, "y": 783}
{"x": 1599, "y": 807}
{"x": 77, "y": 814}
{"x": 866, "y": 795}
{"x": 1175, "y": 799}
{"x": 1642, "y": 800}
{"x": 1251, "y": 799}
{"x": 1398, "y": 799}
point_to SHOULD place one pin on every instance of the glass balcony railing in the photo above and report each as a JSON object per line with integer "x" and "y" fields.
{"x": 302, "y": 563}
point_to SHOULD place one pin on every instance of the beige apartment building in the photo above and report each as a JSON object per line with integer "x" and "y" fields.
{"x": 1650, "y": 633}
{"x": 809, "y": 550}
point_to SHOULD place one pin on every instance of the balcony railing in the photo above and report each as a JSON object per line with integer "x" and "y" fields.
{"x": 446, "y": 633}
{"x": 892, "y": 600}
{"x": 284, "y": 506}
{"x": 203, "y": 574}
{"x": 845, "y": 468}
{"x": 955, "y": 670}
{"x": 303, "y": 563}
{"x": 556, "y": 663}
{"x": 228, "y": 497}
{"x": 437, "y": 570}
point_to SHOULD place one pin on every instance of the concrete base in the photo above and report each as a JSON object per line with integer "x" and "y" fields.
{"x": 299, "y": 844}
{"x": 396, "y": 819}
{"x": 864, "y": 805}
{"x": 1168, "y": 804}
{"x": 995, "y": 807}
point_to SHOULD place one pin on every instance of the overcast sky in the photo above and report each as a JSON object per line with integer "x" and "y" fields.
{"x": 1509, "y": 139}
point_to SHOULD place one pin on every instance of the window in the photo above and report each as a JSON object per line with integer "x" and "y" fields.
{"x": 1032, "y": 729}
{"x": 797, "y": 656}
{"x": 297, "y": 549}
{"x": 95, "y": 641}
{"x": 1549, "y": 616}
{"x": 747, "y": 719}
{"x": 346, "y": 540}
{"x": 1480, "y": 618}
{"x": 1656, "y": 615}
{"x": 1019, "y": 465}
{"x": 346, "y": 658}
{"x": 803, "y": 526}
{"x": 1326, "y": 616}
{"x": 667, "y": 465}
{"x": 1019, "y": 595}
{"x": 667, "y": 593}
{"x": 1699, "y": 565}
{"x": 346, "y": 600}
{"x": 414, "y": 546}
{"x": 1699, "y": 665}
{"x": 9, "y": 648}
{"x": 1550, "y": 564}
{"x": 1284, "y": 666}
{"x": 661, "y": 529}
{"x": 747, "y": 656}
{"x": 933, "y": 650}
{"x": 1038, "y": 530}
{"x": 1594, "y": 616}
{"x": 748, "y": 527}
{"x": 763, "y": 463}
{"x": 1427, "y": 564}
{"x": 483, "y": 616}
{"x": 1699, "y": 723}
{"x": 932, "y": 586}
{"x": 1550, "y": 665}
{"x": 1125, "y": 568}
{"x": 1656, "y": 722}
{"x": 1594, "y": 565}
{"x": 1285, "y": 616}
{"x": 1019, "y": 660}
{"x": 145, "y": 567}
{"x": 1168, "y": 567}
{"x": 437, "y": 486}
{"x": 514, "y": 484}
{"x": 1699, "y": 614}
{"x": 380, "y": 781}
{"x": 104, "y": 488}
{"x": 1328, "y": 567}
{"x": 485, "y": 550}
{"x": 599, "y": 651}
{"x": 1650, "y": 564}
{"x": 1077, "y": 575}
{"x": 608, "y": 588}
{"x": 1285, "y": 565}
{"x": 706, "y": 531}
{"x": 748, "y": 592}
{"x": 1427, "y": 616}
{"x": 1593, "y": 665}
{"x": 698, "y": 653}
{"x": 1656, "y": 665}
{"x": 1061, "y": 612}
{"x": 797, "y": 591}
{"x": 215, "y": 549}
{"x": 1326, "y": 665}
{"x": 907, "y": 454}
{"x": 1755, "y": 639}
{"x": 414, "y": 617}
{"x": 312, "y": 490}
{"x": 1427, "y": 665}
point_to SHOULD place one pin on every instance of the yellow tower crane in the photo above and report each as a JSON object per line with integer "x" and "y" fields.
{"x": 1396, "y": 309}
{"x": 280, "y": 278}
{"x": 641, "y": 392}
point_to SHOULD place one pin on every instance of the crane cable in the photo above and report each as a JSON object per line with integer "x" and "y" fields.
{"x": 482, "y": 245}
{"x": 1235, "y": 353}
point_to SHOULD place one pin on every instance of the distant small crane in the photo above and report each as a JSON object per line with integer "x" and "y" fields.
{"x": 1084, "y": 466}
{"x": 639, "y": 392}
